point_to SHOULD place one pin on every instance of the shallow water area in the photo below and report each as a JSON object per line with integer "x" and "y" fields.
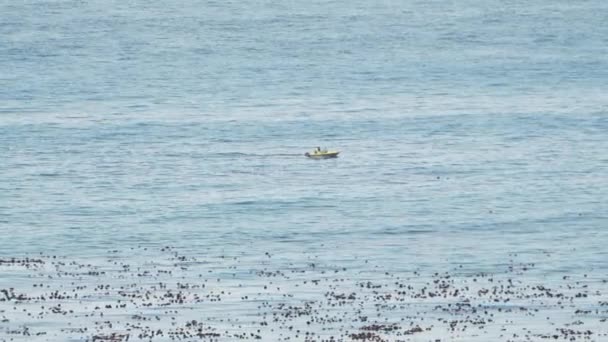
{"x": 276, "y": 297}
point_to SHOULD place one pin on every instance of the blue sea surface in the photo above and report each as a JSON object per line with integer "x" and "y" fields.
{"x": 471, "y": 133}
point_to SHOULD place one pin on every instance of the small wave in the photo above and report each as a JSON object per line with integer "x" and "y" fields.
{"x": 254, "y": 155}
{"x": 48, "y": 174}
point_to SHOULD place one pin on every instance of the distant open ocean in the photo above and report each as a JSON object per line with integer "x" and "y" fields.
{"x": 169, "y": 138}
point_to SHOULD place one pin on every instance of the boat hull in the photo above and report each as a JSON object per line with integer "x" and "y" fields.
{"x": 323, "y": 155}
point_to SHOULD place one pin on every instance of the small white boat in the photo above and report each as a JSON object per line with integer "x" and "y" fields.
{"x": 322, "y": 154}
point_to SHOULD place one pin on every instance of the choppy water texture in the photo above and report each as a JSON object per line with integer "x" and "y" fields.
{"x": 152, "y": 176}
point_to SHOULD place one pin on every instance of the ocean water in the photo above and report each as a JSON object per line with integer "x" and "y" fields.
{"x": 473, "y": 138}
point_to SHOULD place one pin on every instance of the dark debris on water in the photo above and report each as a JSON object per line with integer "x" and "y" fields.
{"x": 177, "y": 297}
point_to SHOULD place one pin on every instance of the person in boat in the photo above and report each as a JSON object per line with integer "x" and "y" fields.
{"x": 317, "y": 150}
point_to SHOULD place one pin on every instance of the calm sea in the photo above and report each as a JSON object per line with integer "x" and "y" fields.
{"x": 471, "y": 133}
